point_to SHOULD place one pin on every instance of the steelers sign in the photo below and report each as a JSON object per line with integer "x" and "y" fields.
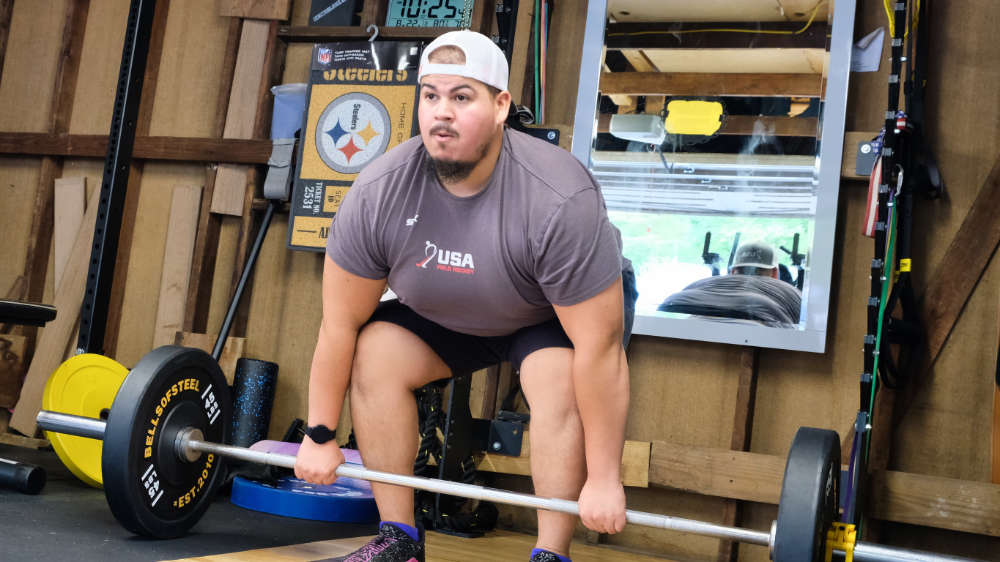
{"x": 352, "y": 131}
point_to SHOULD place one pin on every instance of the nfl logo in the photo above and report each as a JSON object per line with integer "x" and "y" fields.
{"x": 324, "y": 55}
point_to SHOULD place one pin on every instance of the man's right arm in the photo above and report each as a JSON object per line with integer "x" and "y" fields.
{"x": 348, "y": 302}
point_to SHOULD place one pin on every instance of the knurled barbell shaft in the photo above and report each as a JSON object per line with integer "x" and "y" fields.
{"x": 472, "y": 491}
{"x": 863, "y": 552}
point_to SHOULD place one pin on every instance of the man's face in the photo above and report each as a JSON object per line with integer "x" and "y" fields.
{"x": 458, "y": 117}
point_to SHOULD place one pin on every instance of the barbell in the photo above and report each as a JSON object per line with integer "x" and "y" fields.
{"x": 163, "y": 450}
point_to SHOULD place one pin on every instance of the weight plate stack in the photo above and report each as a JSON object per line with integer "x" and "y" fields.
{"x": 84, "y": 385}
{"x": 810, "y": 496}
{"x": 151, "y": 489}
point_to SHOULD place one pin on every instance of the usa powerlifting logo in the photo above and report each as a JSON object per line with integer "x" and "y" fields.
{"x": 352, "y": 131}
{"x": 447, "y": 260}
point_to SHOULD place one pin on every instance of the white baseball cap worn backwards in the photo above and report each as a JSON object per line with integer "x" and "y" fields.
{"x": 484, "y": 61}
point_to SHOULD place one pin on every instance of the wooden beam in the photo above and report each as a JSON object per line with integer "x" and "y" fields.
{"x": 373, "y": 13}
{"x": 131, "y": 207}
{"x": 739, "y": 61}
{"x": 320, "y": 34}
{"x": 232, "y": 350}
{"x": 931, "y": 501}
{"x": 996, "y": 434}
{"x": 36, "y": 261}
{"x": 721, "y": 84}
{"x": 273, "y": 57}
{"x": 52, "y": 343}
{"x": 962, "y": 266}
{"x": 521, "y": 52}
{"x": 206, "y": 243}
{"x": 178, "y": 251}
{"x": 717, "y": 472}
{"x": 639, "y": 61}
{"x": 256, "y": 9}
{"x": 70, "y": 195}
{"x": 750, "y": 124}
{"x": 635, "y": 463}
{"x": 996, "y": 419}
{"x": 716, "y": 11}
{"x": 231, "y": 180}
{"x": 746, "y": 399}
{"x": 6, "y": 9}
{"x": 685, "y": 35}
{"x": 942, "y": 503}
{"x": 186, "y": 149}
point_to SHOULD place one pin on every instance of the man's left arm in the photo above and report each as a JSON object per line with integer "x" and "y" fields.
{"x": 600, "y": 379}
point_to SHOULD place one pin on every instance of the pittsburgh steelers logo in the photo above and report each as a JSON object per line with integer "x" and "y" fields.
{"x": 352, "y": 130}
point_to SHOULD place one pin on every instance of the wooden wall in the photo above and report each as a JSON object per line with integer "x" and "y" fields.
{"x": 682, "y": 392}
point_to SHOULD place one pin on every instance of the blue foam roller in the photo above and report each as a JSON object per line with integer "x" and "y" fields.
{"x": 347, "y": 500}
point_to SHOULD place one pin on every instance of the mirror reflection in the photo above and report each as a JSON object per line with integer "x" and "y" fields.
{"x": 707, "y": 149}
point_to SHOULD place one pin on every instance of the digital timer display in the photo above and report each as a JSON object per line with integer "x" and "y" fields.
{"x": 429, "y": 13}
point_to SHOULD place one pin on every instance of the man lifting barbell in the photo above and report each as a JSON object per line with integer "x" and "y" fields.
{"x": 500, "y": 249}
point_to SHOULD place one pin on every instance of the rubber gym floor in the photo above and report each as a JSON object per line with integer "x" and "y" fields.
{"x": 69, "y": 520}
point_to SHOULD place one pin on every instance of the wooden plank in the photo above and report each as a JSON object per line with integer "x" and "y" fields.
{"x": 741, "y": 61}
{"x": 932, "y": 501}
{"x": 232, "y": 350}
{"x": 717, "y": 472}
{"x": 962, "y": 266}
{"x": 639, "y": 61}
{"x": 70, "y": 194}
{"x": 708, "y": 84}
{"x": 210, "y": 225}
{"x": 682, "y": 35}
{"x": 187, "y": 149}
{"x": 943, "y": 503}
{"x": 995, "y": 469}
{"x": 52, "y": 343}
{"x": 231, "y": 181}
{"x": 274, "y": 54}
{"x": 521, "y": 52}
{"x": 713, "y": 10}
{"x": 12, "y": 355}
{"x": 131, "y": 206}
{"x": 996, "y": 434}
{"x": 6, "y": 9}
{"x": 179, "y": 249}
{"x": 323, "y": 34}
{"x": 61, "y": 110}
{"x": 635, "y": 462}
{"x": 256, "y": 9}
{"x": 621, "y": 100}
{"x": 746, "y": 398}
{"x": 373, "y": 13}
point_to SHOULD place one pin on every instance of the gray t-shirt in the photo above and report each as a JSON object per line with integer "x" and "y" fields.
{"x": 537, "y": 234}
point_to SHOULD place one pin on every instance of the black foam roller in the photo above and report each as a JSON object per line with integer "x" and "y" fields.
{"x": 23, "y": 477}
{"x": 253, "y": 397}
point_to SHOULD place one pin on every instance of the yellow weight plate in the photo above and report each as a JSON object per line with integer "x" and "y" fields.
{"x": 84, "y": 385}
{"x": 693, "y": 117}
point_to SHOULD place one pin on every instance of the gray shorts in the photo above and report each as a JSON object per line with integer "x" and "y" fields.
{"x": 464, "y": 353}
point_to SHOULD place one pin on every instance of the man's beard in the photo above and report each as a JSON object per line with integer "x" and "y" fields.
{"x": 453, "y": 171}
